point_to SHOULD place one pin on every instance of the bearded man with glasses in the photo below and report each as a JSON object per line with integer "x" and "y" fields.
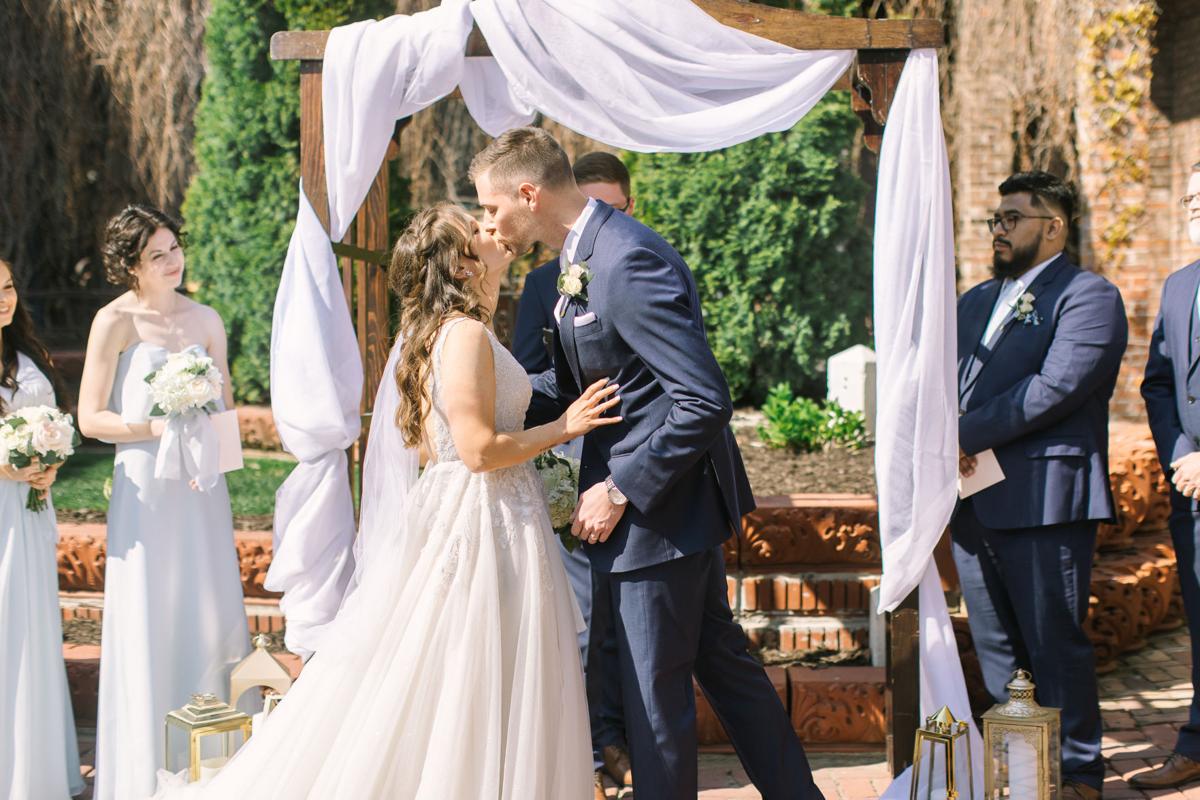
{"x": 1039, "y": 348}
{"x": 1170, "y": 389}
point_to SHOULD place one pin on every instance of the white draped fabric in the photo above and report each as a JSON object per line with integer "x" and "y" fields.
{"x": 916, "y": 448}
{"x": 645, "y": 76}
{"x": 375, "y": 73}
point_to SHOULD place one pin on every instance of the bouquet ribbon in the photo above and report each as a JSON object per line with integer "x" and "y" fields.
{"x": 188, "y": 449}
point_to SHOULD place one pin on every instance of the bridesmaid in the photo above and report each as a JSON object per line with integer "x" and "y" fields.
{"x": 174, "y": 623}
{"x": 38, "y": 753}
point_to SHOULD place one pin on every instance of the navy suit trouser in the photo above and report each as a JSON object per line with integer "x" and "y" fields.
{"x": 673, "y": 621}
{"x": 598, "y": 653}
{"x": 1027, "y": 593}
{"x": 1185, "y": 529}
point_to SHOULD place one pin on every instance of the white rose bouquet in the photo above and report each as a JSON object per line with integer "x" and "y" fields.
{"x": 41, "y": 433}
{"x": 185, "y": 390}
{"x": 188, "y": 381}
{"x": 560, "y": 477}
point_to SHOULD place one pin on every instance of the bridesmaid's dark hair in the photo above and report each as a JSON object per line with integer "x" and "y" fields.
{"x": 125, "y": 238}
{"x": 20, "y": 337}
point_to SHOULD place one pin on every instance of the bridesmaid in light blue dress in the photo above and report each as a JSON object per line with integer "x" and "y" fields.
{"x": 174, "y": 622}
{"x": 38, "y": 754}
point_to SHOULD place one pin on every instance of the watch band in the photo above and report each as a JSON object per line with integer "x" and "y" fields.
{"x": 615, "y": 496}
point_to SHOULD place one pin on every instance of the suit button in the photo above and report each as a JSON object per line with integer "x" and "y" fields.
{"x": 1191, "y": 400}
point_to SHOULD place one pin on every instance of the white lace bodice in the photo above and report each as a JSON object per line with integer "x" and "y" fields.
{"x": 513, "y": 393}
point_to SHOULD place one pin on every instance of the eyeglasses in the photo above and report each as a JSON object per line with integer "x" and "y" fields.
{"x": 625, "y": 208}
{"x": 1009, "y": 220}
{"x": 1187, "y": 199}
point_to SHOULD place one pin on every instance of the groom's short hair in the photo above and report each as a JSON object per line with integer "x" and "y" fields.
{"x": 523, "y": 155}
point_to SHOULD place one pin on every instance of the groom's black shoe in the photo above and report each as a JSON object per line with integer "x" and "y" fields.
{"x": 616, "y": 764}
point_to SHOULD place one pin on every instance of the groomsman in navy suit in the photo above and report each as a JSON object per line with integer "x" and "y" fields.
{"x": 601, "y": 176}
{"x": 1170, "y": 390}
{"x": 1039, "y": 348}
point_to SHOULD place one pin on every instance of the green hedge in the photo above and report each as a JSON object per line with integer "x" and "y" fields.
{"x": 773, "y": 231}
{"x": 241, "y": 204}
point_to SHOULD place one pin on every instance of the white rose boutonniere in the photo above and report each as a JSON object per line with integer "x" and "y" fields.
{"x": 1024, "y": 312}
{"x": 573, "y": 282}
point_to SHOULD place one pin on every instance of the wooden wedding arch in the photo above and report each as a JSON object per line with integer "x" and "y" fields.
{"x": 882, "y": 47}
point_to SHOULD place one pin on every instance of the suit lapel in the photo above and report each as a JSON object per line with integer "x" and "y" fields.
{"x": 1188, "y": 328}
{"x": 566, "y": 335}
{"x": 984, "y": 353}
{"x": 583, "y": 251}
{"x": 970, "y": 350}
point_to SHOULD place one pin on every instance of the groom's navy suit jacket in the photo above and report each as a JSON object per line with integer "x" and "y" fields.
{"x": 673, "y": 456}
{"x": 1039, "y": 397}
{"x": 1171, "y": 387}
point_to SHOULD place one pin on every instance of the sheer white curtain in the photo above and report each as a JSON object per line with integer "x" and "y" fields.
{"x": 916, "y": 449}
{"x": 374, "y": 73}
{"x": 656, "y": 76}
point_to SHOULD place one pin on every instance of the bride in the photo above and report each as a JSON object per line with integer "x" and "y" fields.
{"x": 452, "y": 671}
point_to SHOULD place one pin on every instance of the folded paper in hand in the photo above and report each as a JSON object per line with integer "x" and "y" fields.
{"x": 229, "y": 441}
{"x": 987, "y": 473}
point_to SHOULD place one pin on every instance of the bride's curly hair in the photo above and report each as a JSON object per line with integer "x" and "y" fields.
{"x": 422, "y": 276}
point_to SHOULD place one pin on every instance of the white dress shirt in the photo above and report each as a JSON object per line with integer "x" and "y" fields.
{"x": 1010, "y": 291}
{"x": 567, "y": 256}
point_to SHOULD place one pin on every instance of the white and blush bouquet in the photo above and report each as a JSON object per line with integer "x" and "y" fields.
{"x": 37, "y": 433}
{"x": 560, "y": 477}
{"x": 188, "y": 381}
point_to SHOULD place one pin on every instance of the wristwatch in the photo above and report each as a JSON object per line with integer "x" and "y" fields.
{"x": 614, "y": 494}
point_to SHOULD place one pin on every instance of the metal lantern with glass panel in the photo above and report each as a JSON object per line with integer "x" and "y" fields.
{"x": 1022, "y": 745}
{"x": 203, "y": 719}
{"x": 949, "y": 746}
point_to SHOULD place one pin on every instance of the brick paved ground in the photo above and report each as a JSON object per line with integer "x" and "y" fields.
{"x": 1144, "y": 701}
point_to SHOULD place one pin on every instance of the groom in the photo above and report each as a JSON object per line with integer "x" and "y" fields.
{"x": 660, "y": 491}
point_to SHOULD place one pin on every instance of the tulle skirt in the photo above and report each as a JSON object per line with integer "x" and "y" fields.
{"x": 451, "y": 673}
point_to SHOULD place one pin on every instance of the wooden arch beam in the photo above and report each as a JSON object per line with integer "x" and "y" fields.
{"x": 792, "y": 28}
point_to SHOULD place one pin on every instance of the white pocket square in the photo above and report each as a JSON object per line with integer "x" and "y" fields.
{"x": 585, "y": 319}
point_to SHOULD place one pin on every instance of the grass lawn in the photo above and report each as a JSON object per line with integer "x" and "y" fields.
{"x": 80, "y": 484}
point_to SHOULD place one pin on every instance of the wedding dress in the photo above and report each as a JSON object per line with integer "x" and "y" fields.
{"x": 452, "y": 671}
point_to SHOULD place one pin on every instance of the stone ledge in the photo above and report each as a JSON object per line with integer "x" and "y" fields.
{"x": 831, "y": 706}
{"x": 807, "y": 530}
{"x": 82, "y": 553}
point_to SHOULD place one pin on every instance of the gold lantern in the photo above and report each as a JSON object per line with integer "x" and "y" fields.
{"x": 1022, "y": 745}
{"x": 942, "y": 733}
{"x": 260, "y": 668}
{"x": 204, "y": 718}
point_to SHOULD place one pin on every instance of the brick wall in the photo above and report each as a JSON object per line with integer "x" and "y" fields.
{"x": 984, "y": 151}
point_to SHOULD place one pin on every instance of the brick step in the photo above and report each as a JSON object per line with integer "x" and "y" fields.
{"x": 806, "y": 593}
{"x": 828, "y": 706}
{"x": 791, "y": 634}
{"x": 82, "y": 553}
{"x": 262, "y": 613}
{"x": 806, "y": 532}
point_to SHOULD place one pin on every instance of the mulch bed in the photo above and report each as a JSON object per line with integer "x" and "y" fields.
{"x": 772, "y": 472}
